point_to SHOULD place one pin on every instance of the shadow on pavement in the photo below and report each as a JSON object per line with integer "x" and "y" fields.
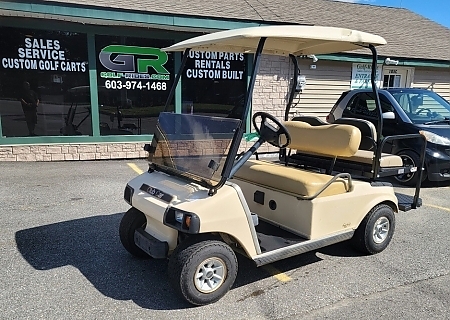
{"x": 92, "y": 245}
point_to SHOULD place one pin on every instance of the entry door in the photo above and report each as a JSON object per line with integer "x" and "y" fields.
{"x": 397, "y": 77}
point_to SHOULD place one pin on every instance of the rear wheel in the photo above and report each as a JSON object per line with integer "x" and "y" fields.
{"x": 410, "y": 158}
{"x": 132, "y": 220}
{"x": 375, "y": 231}
{"x": 203, "y": 272}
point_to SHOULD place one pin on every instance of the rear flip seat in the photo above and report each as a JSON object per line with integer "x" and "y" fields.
{"x": 365, "y": 153}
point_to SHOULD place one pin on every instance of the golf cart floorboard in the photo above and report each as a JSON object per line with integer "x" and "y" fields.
{"x": 271, "y": 237}
{"x": 405, "y": 201}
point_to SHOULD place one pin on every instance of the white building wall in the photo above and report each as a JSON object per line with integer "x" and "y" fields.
{"x": 324, "y": 85}
{"x": 436, "y": 79}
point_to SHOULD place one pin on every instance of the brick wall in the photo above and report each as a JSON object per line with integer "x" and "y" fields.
{"x": 63, "y": 152}
{"x": 272, "y": 86}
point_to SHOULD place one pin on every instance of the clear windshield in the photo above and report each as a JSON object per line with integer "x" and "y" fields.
{"x": 423, "y": 106}
{"x": 194, "y": 146}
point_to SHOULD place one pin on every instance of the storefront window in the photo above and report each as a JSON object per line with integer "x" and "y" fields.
{"x": 44, "y": 83}
{"x": 134, "y": 78}
{"x": 214, "y": 83}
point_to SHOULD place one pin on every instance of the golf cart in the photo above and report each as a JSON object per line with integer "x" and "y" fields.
{"x": 201, "y": 201}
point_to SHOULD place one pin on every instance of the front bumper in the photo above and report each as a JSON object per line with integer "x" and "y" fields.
{"x": 437, "y": 164}
{"x": 153, "y": 247}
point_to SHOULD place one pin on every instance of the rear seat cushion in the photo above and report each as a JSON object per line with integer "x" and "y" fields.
{"x": 288, "y": 179}
{"x": 387, "y": 160}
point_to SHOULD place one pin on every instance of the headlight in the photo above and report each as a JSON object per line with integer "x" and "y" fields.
{"x": 179, "y": 216}
{"x": 181, "y": 220}
{"x": 128, "y": 194}
{"x": 434, "y": 138}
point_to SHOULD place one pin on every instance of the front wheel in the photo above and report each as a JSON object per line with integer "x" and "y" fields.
{"x": 203, "y": 272}
{"x": 132, "y": 220}
{"x": 375, "y": 232}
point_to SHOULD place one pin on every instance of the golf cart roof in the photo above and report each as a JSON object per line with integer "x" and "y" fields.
{"x": 281, "y": 40}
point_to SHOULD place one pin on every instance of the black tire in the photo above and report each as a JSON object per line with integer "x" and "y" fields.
{"x": 132, "y": 220}
{"x": 189, "y": 260}
{"x": 375, "y": 231}
{"x": 410, "y": 158}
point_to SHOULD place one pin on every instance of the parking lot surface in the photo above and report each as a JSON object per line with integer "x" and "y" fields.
{"x": 61, "y": 258}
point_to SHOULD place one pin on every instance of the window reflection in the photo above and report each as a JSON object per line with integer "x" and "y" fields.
{"x": 214, "y": 84}
{"x": 39, "y": 73}
{"x": 134, "y": 78}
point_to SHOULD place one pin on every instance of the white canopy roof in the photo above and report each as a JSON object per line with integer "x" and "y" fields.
{"x": 281, "y": 40}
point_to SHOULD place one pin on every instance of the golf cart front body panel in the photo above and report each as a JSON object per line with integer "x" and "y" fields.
{"x": 226, "y": 212}
{"x": 320, "y": 217}
{"x": 154, "y": 207}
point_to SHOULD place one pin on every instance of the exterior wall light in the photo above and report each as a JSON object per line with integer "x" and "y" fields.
{"x": 388, "y": 61}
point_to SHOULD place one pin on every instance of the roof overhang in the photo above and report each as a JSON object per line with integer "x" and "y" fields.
{"x": 101, "y": 21}
{"x": 282, "y": 40}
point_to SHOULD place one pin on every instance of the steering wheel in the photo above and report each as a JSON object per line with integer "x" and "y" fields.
{"x": 268, "y": 132}
{"x": 424, "y": 109}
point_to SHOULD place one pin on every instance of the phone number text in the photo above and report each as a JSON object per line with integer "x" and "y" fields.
{"x": 135, "y": 85}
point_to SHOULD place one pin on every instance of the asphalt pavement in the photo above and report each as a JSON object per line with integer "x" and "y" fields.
{"x": 61, "y": 258}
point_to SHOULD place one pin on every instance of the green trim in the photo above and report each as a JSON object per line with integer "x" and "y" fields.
{"x": 178, "y": 97}
{"x": 73, "y": 139}
{"x": 127, "y": 16}
{"x": 95, "y": 117}
{"x": 402, "y": 62}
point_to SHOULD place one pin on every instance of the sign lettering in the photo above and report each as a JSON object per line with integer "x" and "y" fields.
{"x": 44, "y": 55}
{"x": 215, "y": 65}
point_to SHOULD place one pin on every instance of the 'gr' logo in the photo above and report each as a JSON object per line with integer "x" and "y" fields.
{"x": 125, "y": 60}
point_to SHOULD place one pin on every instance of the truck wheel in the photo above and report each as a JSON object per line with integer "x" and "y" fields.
{"x": 410, "y": 158}
{"x": 203, "y": 272}
{"x": 132, "y": 220}
{"x": 375, "y": 231}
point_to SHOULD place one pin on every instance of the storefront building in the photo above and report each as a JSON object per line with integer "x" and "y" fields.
{"x": 79, "y": 82}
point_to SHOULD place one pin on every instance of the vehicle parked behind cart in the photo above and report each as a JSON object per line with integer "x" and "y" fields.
{"x": 405, "y": 111}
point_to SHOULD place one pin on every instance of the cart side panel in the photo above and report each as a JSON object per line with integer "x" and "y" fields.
{"x": 320, "y": 217}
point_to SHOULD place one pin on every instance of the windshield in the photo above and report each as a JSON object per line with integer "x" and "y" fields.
{"x": 194, "y": 146}
{"x": 423, "y": 106}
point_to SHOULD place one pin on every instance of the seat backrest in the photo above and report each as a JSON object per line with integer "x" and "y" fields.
{"x": 367, "y": 128}
{"x": 314, "y": 121}
{"x": 329, "y": 139}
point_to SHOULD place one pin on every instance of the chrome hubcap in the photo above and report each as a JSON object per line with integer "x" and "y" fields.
{"x": 210, "y": 275}
{"x": 381, "y": 230}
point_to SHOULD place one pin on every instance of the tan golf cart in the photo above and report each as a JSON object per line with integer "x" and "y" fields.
{"x": 201, "y": 201}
